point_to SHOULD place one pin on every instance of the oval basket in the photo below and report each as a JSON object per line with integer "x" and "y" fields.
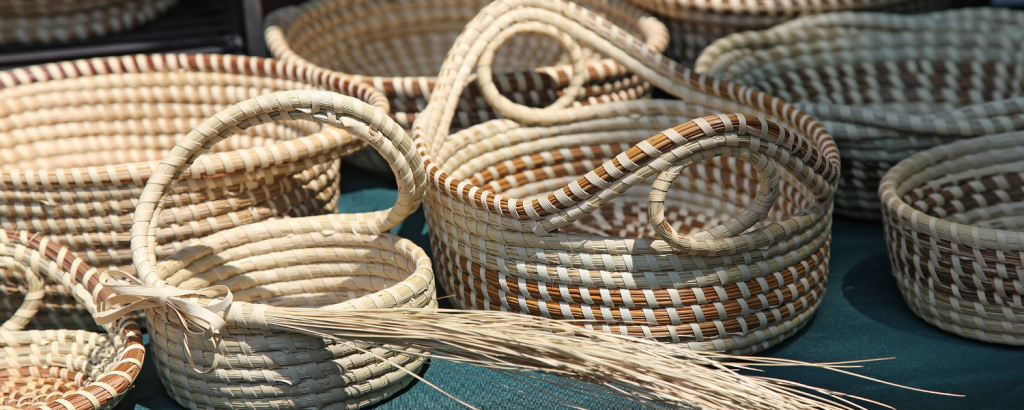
{"x": 62, "y": 369}
{"x": 578, "y": 213}
{"x": 695, "y": 24}
{"x": 886, "y": 85}
{"x": 320, "y": 264}
{"x": 64, "y": 21}
{"x": 953, "y": 223}
{"x": 403, "y": 43}
{"x": 79, "y": 140}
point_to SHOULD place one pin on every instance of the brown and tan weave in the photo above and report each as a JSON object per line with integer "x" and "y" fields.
{"x": 886, "y": 85}
{"x": 956, "y": 236}
{"x": 398, "y": 46}
{"x": 577, "y": 212}
{"x": 79, "y": 139}
{"x": 62, "y": 369}
{"x": 63, "y": 21}
{"x": 695, "y": 24}
{"x": 318, "y": 263}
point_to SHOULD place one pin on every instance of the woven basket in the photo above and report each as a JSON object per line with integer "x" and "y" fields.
{"x": 953, "y": 223}
{"x": 402, "y": 44}
{"x": 74, "y": 138}
{"x": 695, "y": 24}
{"x": 63, "y": 21}
{"x": 62, "y": 369}
{"x": 320, "y": 263}
{"x": 584, "y": 217}
{"x": 886, "y": 85}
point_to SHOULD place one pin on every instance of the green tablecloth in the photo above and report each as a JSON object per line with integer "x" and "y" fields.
{"x": 862, "y": 317}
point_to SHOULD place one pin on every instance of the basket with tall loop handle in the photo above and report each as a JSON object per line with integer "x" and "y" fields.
{"x": 886, "y": 85}
{"x": 713, "y": 232}
{"x": 62, "y": 369}
{"x": 79, "y": 139}
{"x": 403, "y": 43}
{"x": 31, "y": 22}
{"x": 313, "y": 264}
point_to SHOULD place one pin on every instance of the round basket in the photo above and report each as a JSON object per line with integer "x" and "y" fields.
{"x": 403, "y": 43}
{"x": 886, "y": 85}
{"x": 62, "y": 369}
{"x": 578, "y": 213}
{"x": 320, "y": 264}
{"x": 79, "y": 140}
{"x": 695, "y": 24}
{"x": 953, "y": 223}
{"x": 63, "y": 21}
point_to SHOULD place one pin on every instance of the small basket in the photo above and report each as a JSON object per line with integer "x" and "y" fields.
{"x": 319, "y": 263}
{"x": 402, "y": 44}
{"x": 79, "y": 139}
{"x": 577, "y": 212}
{"x": 695, "y": 24}
{"x": 886, "y": 85}
{"x": 64, "y": 21}
{"x": 953, "y": 223}
{"x": 62, "y": 369}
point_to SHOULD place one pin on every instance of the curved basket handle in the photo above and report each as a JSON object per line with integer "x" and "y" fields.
{"x": 357, "y": 117}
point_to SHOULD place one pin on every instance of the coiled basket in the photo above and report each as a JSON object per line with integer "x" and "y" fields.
{"x": 312, "y": 265}
{"x": 61, "y": 21}
{"x": 953, "y": 223}
{"x": 79, "y": 140}
{"x": 695, "y": 24}
{"x": 62, "y": 369}
{"x": 402, "y": 44}
{"x": 712, "y": 232}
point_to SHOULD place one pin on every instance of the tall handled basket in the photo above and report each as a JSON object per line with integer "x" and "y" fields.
{"x": 403, "y": 43}
{"x": 63, "y": 21}
{"x": 62, "y": 369}
{"x": 886, "y": 85}
{"x": 314, "y": 264}
{"x": 695, "y": 24}
{"x": 580, "y": 213}
{"x": 953, "y": 222}
{"x": 79, "y": 140}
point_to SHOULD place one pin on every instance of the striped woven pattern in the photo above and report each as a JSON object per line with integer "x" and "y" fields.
{"x": 63, "y": 21}
{"x": 401, "y": 45}
{"x": 62, "y": 369}
{"x": 953, "y": 223}
{"x": 695, "y": 24}
{"x": 886, "y": 85}
{"x": 79, "y": 140}
{"x": 324, "y": 262}
{"x": 712, "y": 232}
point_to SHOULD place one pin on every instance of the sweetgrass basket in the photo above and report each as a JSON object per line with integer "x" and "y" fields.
{"x": 79, "y": 140}
{"x": 62, "y": 369}
{"x": 885, "y": 85}
{"x": 63, "y": 21}
{"x": 695, "y": 24}
{"x": 712, "y": 232}
{"x": 315, "y": 264}
{"x": 953, "y": 222}
{"x": 403, "y": 43}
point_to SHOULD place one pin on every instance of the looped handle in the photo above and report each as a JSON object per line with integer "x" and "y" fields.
{"x": 705, "y": 242}
{"x": 357, "y": 117}
{"x": 22, "y": 257}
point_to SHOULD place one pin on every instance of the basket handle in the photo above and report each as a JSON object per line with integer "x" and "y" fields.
{"x": 357, "y": 117}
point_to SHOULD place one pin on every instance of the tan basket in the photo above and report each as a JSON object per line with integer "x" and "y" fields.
{"x": 695, "y": 24}
{"x": 63, "y": 21}
{"x": 62, "y": 369}
{"x": 79, "y": 139}
{"x": 953, "y": 223}
{"x": 886, "y": 85}
{"x": 583, "y": 217}
{"x": 322, "y": 263}
{"x": 401, "y": 45}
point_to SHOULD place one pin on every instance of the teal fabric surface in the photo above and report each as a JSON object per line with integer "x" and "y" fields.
{"x": 862, "y": 317}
